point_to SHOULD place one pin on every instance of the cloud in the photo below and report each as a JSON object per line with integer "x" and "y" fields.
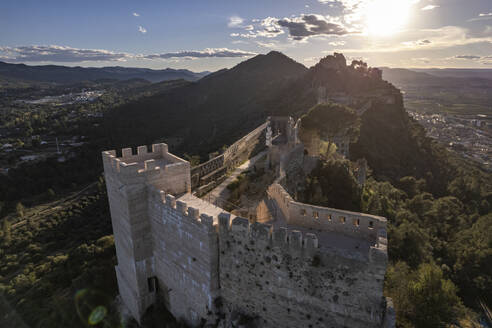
{"x": 481, "y": 16}
{"x": 354, "y": 13}
{"x": 485, "y": 60}
{"x": 430, "y": 7}
{"x": 136, "y": 14}
{"x": 306, "y": 26}
{"x": 266, "y": 44}
{"x": 142, "y": 29}
{"x": 424, "y": 60}
{"x": 470, "y": 57}
{"x": 267, "y": 28}
{"x": 207, "y": 53}
{"x": 336, "y": 43}
{"x": 417, "y": 43}
{"x": 270, "y": 28}
{"x": 239, "y": 42}
{"x": 235, "y": 21}
{"x": 439, "y": 38}
{"x": 54, "y": 53}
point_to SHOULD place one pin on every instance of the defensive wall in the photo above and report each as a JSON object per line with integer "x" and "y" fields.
{"x": 353, "y": 224}
{"x": 283, "y": 278}
{"x": 209, "y": 266}
{"x": 185, "y": 251}
{"x": 245, "y": 147}
{"x": 206, "y": 176}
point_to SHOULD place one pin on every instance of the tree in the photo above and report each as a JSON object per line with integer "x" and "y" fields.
{"x": 7, "y": 234}
{"x": 332, "y": 184}
{"x": 409, "y": 243}
{"x": 19, "y": 209}
{"x": 330, "y": 121}
{"x": 423, "y": 298}
{"x": 434, "y": 298}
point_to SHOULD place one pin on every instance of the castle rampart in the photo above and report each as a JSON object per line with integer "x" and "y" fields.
{"x": 282, "y": 278}
{"x": 205, "y": 176}
{"x": 324, "y": 218}
{"x": 185, "y": 255}
{"x": 206, "y": 265}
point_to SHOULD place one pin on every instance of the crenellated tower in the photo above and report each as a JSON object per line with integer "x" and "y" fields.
{"x": 127, "y": 180}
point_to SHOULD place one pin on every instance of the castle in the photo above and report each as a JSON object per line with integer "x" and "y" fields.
{"x": 295, "y": 265}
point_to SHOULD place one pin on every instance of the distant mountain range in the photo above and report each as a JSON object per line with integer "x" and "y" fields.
{"x": 64, "y": 74}
{"x": 399, "y": 76}
{"x": 457, "y": 72}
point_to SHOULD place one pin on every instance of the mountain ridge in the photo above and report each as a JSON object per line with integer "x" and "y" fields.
{"x": 66, "y": 74}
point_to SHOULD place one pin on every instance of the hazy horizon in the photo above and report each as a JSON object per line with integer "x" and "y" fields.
{"x": 209, "y": 36}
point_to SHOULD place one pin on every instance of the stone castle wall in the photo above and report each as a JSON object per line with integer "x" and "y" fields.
{"x": 206, "y": 265}
{"x": 281, "y": 278}
{"x": 353, "y": 224}
{"x": 186, "y": 257}
{"x": 242, "y": 149}
{"x": 204, "y": 176}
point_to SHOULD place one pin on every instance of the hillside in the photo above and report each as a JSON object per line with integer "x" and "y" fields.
{"x": 64, "y": 74}
{"x": 56, "y": 231}
{"x": 210, "y": 113}
{"x": 400, "y": 76}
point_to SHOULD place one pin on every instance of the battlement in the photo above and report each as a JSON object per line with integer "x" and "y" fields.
{"x": 157, "y": 167}
{"x": 266, "y": 235}
{"x": 180, "y": 208}
{"x": 133, "y": 163}
{"x": 353, "y": 224}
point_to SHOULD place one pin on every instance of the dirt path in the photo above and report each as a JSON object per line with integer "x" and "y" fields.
{"x": 220, "y": 194}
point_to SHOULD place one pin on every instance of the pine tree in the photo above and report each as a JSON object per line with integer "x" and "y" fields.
{"x": 19, "y": 208}
{"x": 7, "y": 236}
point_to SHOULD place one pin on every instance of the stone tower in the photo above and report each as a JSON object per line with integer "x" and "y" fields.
{"x": 127, "y": 180}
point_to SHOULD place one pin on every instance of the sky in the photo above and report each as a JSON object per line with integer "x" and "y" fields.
{"x": 209, "y": 35}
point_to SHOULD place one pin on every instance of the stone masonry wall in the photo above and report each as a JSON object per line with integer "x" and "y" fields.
{"x": 186, "y": 257}
{"x": 127, "y": 180}
{"x": 281, "y": 278}
{"x": 242, "y": 149}
{"x": 201, "y": 266}
{"x": 324, "y": 218}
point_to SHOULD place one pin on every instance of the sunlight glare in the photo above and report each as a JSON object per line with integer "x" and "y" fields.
{"x": 387, "y": 17}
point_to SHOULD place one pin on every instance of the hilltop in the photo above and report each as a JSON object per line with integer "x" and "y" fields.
{"x": 207, "y": 114}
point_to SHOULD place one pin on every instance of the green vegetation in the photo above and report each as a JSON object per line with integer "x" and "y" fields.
{"x": 423, "y": 296}
{"x": 437, "y": 205}
{"x": 57, "y": 261}
{"x": 56, "y": 269}
{"x": 440, "y": 247}
{"x": 332, "y": 184}
{"x": 331, "y": 120}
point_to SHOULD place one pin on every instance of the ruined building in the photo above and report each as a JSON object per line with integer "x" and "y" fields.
{"x": 302, "y": 266}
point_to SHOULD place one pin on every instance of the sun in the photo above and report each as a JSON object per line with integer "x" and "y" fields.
{"x": 387, "y": 17}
